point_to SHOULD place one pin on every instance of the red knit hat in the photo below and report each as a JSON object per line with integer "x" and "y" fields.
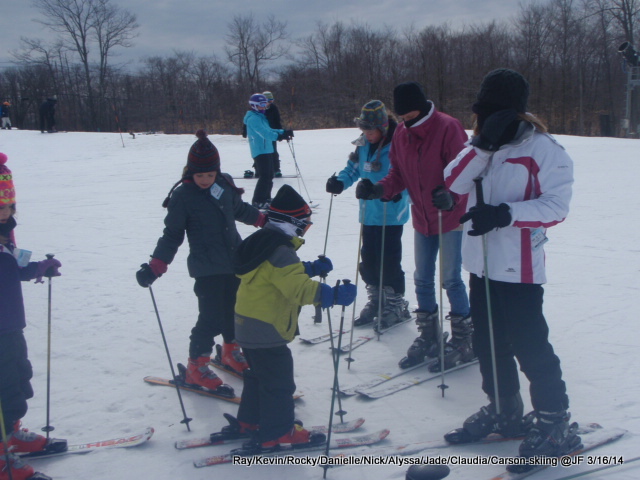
{"x": 7, "y": 190}
{"x": 203, "y": 155}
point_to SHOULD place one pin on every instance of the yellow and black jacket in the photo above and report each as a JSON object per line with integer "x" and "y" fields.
{"x": 273, "y": 287}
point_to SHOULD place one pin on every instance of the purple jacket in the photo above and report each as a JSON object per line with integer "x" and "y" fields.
{"x": 12, "y": 316}
{"x": 418, "y": 156}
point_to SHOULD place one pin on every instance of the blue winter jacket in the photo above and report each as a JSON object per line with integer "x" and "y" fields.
{"x": 397, "y": 212}
{"x": 261, "y": 136}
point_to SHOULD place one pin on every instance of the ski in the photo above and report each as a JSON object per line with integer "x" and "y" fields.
{"x": 384, "y": 377}
{"x": 188, "y": 388}
{"x": 126, "y": 441}
{"x": 357, "y": 342}
{"x": 590, "y": 441}
{"x": 322, "y": 338}
{"x": 362, "y": 339}
{"x": 390, "y": 388}
{"x": 327, "y": 336}
{"x": 218, "y": 438}
{"x": 589, "y": 431}
{"x": 255, "y": 178}
{"x": 335, "y": 444}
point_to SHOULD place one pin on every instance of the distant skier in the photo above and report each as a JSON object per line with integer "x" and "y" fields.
{"x": 423, "y": 144}
{"x": 273, "y": 116}
{"x": 15, "y": 368}
{"x": 261, "y": 137}
{"x": 204, "y": 205}
{"x": 48, "y": 115}
{"x": 527, "y": 179}
{"x": 274, "y": 285}
{"x": 371, "y": 160}
{"x": 5, "y": 113}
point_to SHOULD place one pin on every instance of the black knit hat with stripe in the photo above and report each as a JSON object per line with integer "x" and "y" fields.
{"x": 203, "y": 155}
{"x": 288, "y": 203}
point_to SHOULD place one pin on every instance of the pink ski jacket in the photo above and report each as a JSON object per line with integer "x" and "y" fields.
{"x": 418, "y": 157}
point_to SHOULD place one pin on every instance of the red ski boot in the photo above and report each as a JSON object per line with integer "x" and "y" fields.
{"x": 232, "y": 357}
{"x": 198, "y": 373}
{"x": 19, "y": 469}
{"x": 22, "y": 440}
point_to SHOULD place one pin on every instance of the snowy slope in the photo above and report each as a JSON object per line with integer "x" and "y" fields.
{"x": 97, "y": 206}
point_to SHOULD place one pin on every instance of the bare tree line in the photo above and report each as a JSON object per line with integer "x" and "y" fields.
{"x": 566, "y": 48}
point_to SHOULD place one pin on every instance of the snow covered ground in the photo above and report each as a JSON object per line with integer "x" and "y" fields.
{"x": 97, "y": 206}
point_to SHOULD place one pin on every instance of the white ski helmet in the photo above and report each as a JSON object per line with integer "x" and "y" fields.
{"x": 258, "y": 102}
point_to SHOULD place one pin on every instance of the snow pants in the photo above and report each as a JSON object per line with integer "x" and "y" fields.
{"x": 372, "y": 254}
{"x": 15, "y": 376}
{"x": 216, "y": 304}
{"x": 265, "y": 172}
{"x": 267, "y": 396}
{"x": 520, "y": 333}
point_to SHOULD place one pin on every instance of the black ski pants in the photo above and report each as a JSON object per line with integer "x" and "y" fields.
{"x": 267, "y": 396}
{"x": 520, "y": 333}
{"x": 276, "y": 158}
{"x": 216, "y": 304}
{"x": 372, "y": 255}
{"x": 265, "y": 172}
{"x": 15, "y": 376}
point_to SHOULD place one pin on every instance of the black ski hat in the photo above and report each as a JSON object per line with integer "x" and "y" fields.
{"x": 408, "y": 97}
{"x": 502, "y": 89}
{"x": 289, "y": 202}
{"x": 288, "y": 206}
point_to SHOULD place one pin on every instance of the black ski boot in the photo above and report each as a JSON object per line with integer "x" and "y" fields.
{"x": 509, "y": 423}
{"x": 370, "y": 310}
{"x": 551, "y": 436}
{"x": 427, "y": 344}
{"x": 459, "y": 349}
{"x": 396, "y": 309}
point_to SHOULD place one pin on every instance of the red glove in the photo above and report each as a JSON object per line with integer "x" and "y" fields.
{"x": 260, "y": 222}
{"x": 158, "y": 267}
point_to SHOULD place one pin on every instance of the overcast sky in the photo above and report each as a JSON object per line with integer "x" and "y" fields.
{"x": 200, "y": 25}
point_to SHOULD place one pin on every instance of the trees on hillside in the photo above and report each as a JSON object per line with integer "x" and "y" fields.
{"x": 566, "y": 48}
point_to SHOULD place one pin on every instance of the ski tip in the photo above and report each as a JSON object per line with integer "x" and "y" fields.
{"x": 384, "y": 433}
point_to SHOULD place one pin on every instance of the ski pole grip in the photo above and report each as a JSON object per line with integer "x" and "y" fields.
{"x": 479, "y": 192}
{"x": 49, "y": 272}
{"x": 323, "y": 274}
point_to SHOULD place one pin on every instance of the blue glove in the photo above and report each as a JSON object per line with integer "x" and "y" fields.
{"x": 345, "y": 294}
{"x": 320, "y": 267}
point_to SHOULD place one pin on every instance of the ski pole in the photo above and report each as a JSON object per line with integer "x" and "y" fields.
{"x": 335, "y": 355}
{"x": 317, "y": 318}
{"x": 380, "y": 287}
{"x": 350, "y": 359}
{"x": 494, "y": 368}
{"x": 5, "y": 442}
{"x": 48, "y": 427}
{"x": 185, "y": 419}
{"x": 442, "y": 385}
{"x": 295, "y": 162}
{"x": 335, "y": 389}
